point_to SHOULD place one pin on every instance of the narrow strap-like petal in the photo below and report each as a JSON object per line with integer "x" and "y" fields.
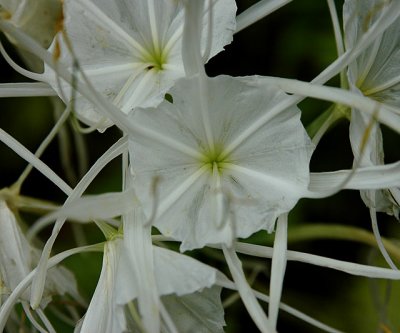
{"x": 278, "y": 268}
{"x": 253, "y": 307}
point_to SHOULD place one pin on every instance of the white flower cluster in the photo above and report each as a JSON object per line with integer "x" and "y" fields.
{"x": 205, "y": 160}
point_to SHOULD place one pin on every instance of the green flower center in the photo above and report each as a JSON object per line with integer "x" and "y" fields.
{"x": 156, "y": 59}
{"x": 214, "y": 157}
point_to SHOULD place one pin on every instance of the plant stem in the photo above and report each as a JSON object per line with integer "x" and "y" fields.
{"x": 340, "y": 232}
{"x": 326, "y": 120}
{"x": 26, "y": 203}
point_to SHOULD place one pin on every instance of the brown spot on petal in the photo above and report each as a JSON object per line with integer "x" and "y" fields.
{"x": 57, "y": 50}
{"x": 4, "y": 14}
{"x": 372, "y": 13}
{"x": 59, "y": 26}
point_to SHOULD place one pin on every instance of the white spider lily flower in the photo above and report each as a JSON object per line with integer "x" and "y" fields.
{"x": 131, "y": 50}
{"x": 376, "y": 74}
{"x": 228, "y": 162}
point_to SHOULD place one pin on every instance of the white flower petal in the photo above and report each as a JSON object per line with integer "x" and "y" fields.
{"x": 344, "y": 266}
{"x": 180, "y": 274}
{"x": 15, "y": 253}
{"x": 278, "y": 268}
{"x": 60, "y": 281}
{"x": 253, "y": 307}
{"x": 372, "y": 154}
{"x": 26, "y": 89}
{"x": 137, "y": 259}
{"x": 91, "y": 207}
{"x": 198, "y": 312}
{"x": 18, "y": 148}
{"x": 258, "y": 11}
{"x": 175, "y": 274}
{"x": 223, "y": 25}
{"x": 368, "y": 178}
{"x": 103, "y": 314}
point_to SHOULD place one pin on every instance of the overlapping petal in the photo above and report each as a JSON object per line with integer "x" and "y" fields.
{"x": 201, "y": 311}
{"x": 103, "y": 314}
{"x": 16, "y": 254}
{"x": 375, "y": 73}
{"x": 146, "y": 272}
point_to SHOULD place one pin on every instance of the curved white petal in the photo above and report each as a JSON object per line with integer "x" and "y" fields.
{"x": 180, "y": 274}
{"x": 368, "y": 178}
{"x": 175, "y": 274}
{"x": 249, "y": 299}
{"x": 367, "y": 145}
{"x": 103, "y": 314}
{"x": 278, "y": 268}
{"x": 201, "y": 311}
{"x": 138, "y": 259}
{"x": 15, "y": 252}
